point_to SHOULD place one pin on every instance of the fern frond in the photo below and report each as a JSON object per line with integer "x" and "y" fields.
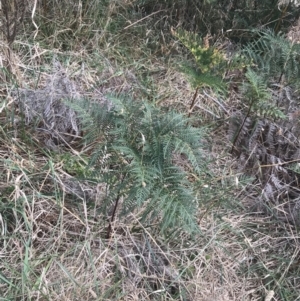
{"x": 274, "y": 56}
{"x": 270, "y": 138}
{"x": 136, "y": 143}
{"x": 255, "y": 136}
{"x": 209, "y": 62}
{"x": 199, "y": 79}
{"x": 239, "y": 129}
{"x": 256, "y": 88}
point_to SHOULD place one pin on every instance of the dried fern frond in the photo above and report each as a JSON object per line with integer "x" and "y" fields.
{"x": 46, "y": 107}
{"x": 239, "y": 131}
{"x": 267, "y": 150}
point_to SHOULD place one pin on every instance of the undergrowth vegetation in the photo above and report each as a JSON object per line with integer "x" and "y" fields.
{"x": 137, "y": 154}
{"x": 149, "y": 150}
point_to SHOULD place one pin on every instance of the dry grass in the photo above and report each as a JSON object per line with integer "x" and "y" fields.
{"x": 52, "y": 244}
{"x": 52, "y": 248}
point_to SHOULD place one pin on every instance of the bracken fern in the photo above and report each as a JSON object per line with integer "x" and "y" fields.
{"x": 208, "y": 61}
{"x": 135, "y": 158}
{"x": 276, "y": 58}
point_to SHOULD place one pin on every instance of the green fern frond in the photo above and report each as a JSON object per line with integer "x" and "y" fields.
{"x": 209, "y": 62}
{"x": 205, "y": 56}
{"x": 274, "y": 56}
{"x": 199, "y": 79}
{"x": 135, "y": 158}
{"x": 256, "y": 88}
{"x": 259, "y": 96}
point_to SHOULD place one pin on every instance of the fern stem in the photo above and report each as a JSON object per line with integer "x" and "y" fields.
{"x": 193, "y": 102}
{"x": 109, "y": 228}
{"x": 240, "y": 129}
